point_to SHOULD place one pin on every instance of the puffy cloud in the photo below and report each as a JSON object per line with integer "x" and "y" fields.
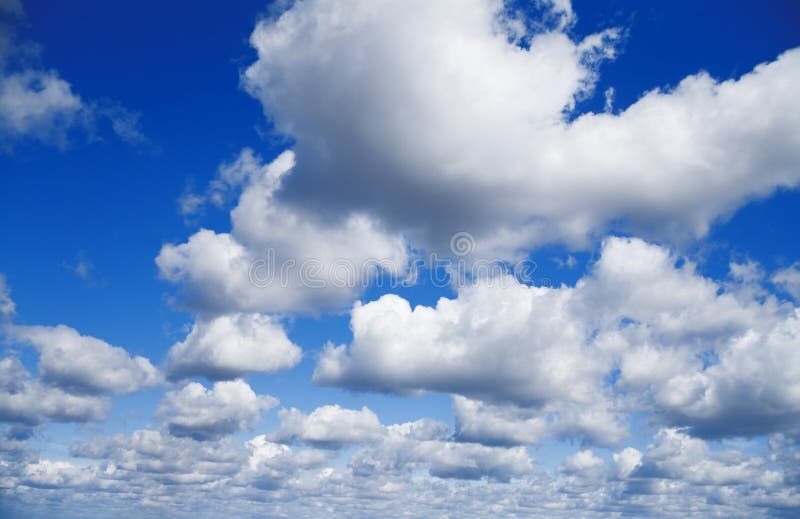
{"x": 788, "y": 279}
{"x": 753, "y": 389}
{"x": 27, "y": 401}
{"x": 389, "y": 103}
{"x": 56, "y": 474}
{"x": 270, "y": 465}
{"x": 676, "y": 455}
{"x": 641, "y": 330}
{"x": 40, "y": 104}
{"x": 167, "y": 459}
{"x": 279, "y": 256}
{"x": 204, "y": 414}
{"x": 676, "y": 477}
{"x": 581, "y": 462}
{"x": 230, "y": 346}
{"x": 626, "y": 461}
{"x": 329, "y": 426}
{"x": 81, "y": 363}
{"x": 597, "y": 423}
{"x": 414, "y": 445}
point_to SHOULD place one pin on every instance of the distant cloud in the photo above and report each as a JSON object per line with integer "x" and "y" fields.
{"x": 207, "y": 414}
{"x": 36, "y": 103}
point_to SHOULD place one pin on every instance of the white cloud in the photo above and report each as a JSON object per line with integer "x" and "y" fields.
{"x": 7, "y": 306}
{"x": 788, "y": 279}
{"x": 582, "y": 462}
{"x": 676, "y": 455}
{"x": 81, "y": 363}
{"x": 329, "y": 426}
{"x": 390, "y": 103}
{"x": 38, "y": 103}
{"x": 56, "y": 474}
{"x": 597, "y": 423}
{"x": 163, "y": 457}
{"x": 230, "y": 346}
{"x": 638, "y": 332}
{"x": 414, "y": 445}
{"x": 27, "y": 401}
{"x": 279, "y": 256}
{"x": 206, "y": 414}
{"x": 626, "y": 461}
{"x": 270, "y": 465}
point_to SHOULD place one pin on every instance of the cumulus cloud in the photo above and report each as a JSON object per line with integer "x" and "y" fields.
{"x": 167, "y": 459}
{"x": 640, "y": 331}
{"x": 82, "y": 363}
{"x": 676, "y": 455}
{"x": 206, "y": 414}
{"x": 388, "y": 103}
{"x": 230, "y": 346}
{"x": 329, "y": 426}
{"x": 788, "y": 279}
{"x": 410, "y": 446}
{"x": 270, "y": 465}
{"x": 25, "y": 400}
{"x": 279, "y": 257}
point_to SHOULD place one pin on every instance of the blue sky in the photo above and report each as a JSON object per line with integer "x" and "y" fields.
{"x": 642, "y": 155}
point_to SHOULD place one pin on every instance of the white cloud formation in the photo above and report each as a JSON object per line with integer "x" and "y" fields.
{"x": 82, "y": 363}
{"x": 638, "y": 332}
{"x": 270, "y": 465}
{"x": 230, "y": 346}
{"x": 25, "y": 400}
{"x": 420, "y": 444}
{"x": 329, "y": 426}
{"x": 39, "y": 104}
{"x": 788, "y": 279}
{"x": 676, "y": 476}
{"x": 279, "y": 257}
{"x": 167, "y": 459}
{"x": 206, "y": 414}
{"x": 676, "y": 455}
{"x": 445, "y": 104}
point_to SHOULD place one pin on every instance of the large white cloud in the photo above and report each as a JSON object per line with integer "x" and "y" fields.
{"x": 447, "y": 105}
{"x": 82, "y": 363}
{"x": 279, "y": 258}
{"x": 204, "y": 414}
{"x": 230, "y": 346}
{"x": 27, "y": 401}
{"x": 638, "y": 332}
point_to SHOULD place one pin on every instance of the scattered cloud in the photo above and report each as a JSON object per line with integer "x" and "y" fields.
{"x": 80, "y": 363}
{"x": 204, "y": 414}
{"x": 37, "y": 103}
{"x": 230, "y": 346}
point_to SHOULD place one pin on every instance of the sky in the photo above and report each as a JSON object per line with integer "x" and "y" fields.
{"x": 373, "y": 258}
